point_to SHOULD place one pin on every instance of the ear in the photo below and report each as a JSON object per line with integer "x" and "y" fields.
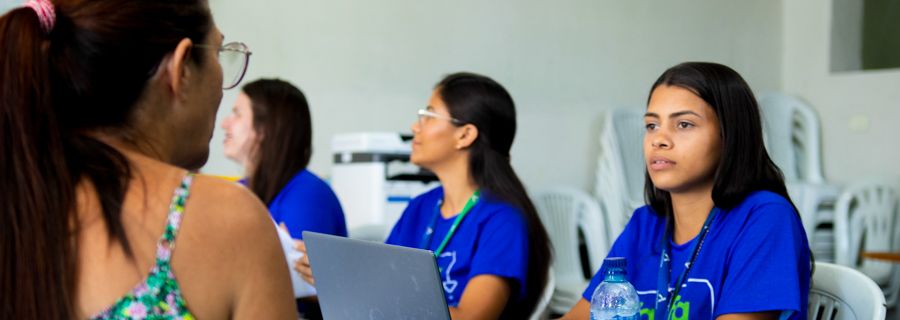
{"x": 466, "y": 136}
{"x": 176, "y": 67}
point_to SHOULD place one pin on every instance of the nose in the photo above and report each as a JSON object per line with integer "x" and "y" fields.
{"x": 225, "y": 122}
{"x": 415, "y": 126}
{"x": 660, "y": 140}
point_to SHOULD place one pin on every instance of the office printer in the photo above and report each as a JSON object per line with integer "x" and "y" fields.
{"x": 374, "y": 180}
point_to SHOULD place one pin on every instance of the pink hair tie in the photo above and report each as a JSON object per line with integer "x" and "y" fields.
{"x": 45, "y": 11}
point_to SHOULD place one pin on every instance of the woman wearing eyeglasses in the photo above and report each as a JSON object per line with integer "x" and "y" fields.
{"x": 491, "y": 248}
{"x": 106, "y": 107}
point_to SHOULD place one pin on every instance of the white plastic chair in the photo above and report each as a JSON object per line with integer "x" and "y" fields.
{"x": 792, "y": 137}
{"x": 620, "y": 170}
{"x": 541, "y": 310}
{"x": 866, "y": 220}
{"x": 792, "y": 134}
{"x": 563, "y": 211}
{"x": 816, "y": 202}
{"x": 841, "y": 293}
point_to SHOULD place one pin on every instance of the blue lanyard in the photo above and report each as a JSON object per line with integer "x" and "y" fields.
{"x": 664, "y": 300}
{"x": 429, "y": 233}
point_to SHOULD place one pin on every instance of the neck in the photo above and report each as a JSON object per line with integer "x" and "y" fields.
{"x": 458, "y": 188}
{"x": 249, "y": 167}
{"x": 125, "y": 145}
{"x": 690, "y": 210}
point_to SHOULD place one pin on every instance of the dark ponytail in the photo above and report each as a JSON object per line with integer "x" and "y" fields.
{"x": 32, "y": 171}
{"x": 85, "y": 74}
{"x": 484, "y": 103}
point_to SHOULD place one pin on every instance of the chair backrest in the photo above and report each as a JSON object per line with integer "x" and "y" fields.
{"x": 620, "y": 169}
{"x": 540, "y": 310}
{"x": 865, "y": 219}
{"x": 791, "y": 130}
{"x": 841, "y": 293}
{"x": 563, "y": 210}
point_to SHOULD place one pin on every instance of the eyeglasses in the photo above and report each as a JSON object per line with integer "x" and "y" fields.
{"x": 234, "y": 58}
{"x": 423, "y": 113}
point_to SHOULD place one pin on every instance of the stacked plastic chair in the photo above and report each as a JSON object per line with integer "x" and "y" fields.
{"x": 866, "y": 220}
{"x": 565, "y": 211}
{"x": 792, "y": 136}
{"x": 619, "y": 184}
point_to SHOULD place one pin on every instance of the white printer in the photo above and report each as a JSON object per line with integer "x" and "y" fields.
{"x": 374, "y": 180}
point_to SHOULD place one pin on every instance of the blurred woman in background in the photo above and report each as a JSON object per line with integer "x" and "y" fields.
{"x": 269, "y": 133}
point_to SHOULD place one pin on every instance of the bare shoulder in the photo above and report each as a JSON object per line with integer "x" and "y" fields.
{"x": 225, "y": 200}
{"x": 228, "y": 217}
{"x": 228, "y": 249}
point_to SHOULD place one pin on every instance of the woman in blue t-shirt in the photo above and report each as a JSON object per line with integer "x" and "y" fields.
{"x": 269, "y": 133}
{"x": 717, "y": 208}
{"x": 490, "y": 245}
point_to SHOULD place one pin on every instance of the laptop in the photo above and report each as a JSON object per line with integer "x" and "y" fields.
{"x": 358, "y": 279}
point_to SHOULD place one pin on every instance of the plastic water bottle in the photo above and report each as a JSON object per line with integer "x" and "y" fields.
{"x": 614, "y": 298}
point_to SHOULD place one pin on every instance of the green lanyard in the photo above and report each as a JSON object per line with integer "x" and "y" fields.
{"x": 426, "y": 239}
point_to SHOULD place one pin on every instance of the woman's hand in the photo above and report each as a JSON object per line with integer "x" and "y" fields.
{"x": 581, "y": 311}
{"x": 484, "y": 298}
{"x": 301, "y": 265}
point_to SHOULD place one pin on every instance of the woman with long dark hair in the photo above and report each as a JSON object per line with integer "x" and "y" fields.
{"x": 719, "y": 236}
{"x": 269, "y": 133}
{"x": 490, "y": 245}
{"x": 104, "y": 107}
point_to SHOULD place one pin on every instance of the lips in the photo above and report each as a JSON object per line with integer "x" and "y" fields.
{"x": 657, "y": 163}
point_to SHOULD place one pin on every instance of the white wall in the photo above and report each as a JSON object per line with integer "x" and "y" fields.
{"x": 859, "y": 110}
{"x": 368, "y": 65}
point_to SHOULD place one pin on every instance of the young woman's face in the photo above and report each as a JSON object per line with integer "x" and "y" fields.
{"x": 434, "y": 138}
{"x": 240, "y": 137}
{"x": 682, "y": 143}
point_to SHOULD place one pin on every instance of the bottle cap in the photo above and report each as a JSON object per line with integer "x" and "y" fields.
{"x": 616, "y": 262}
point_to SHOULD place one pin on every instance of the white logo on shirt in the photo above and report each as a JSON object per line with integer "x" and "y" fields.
{"x": 449, "y": 284}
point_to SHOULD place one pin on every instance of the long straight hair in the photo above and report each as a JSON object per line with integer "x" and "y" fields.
{"x": 281, "y": 118}
{"x": 86, "y": 74}
{"x": 745, "y": 165}
{"x": 480, "y": 101}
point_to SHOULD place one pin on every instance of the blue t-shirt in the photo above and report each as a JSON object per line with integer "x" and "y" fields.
{"x": 754, "y": 259}
{"x": 491, "y": 240}
{"x": 308, "y": 203}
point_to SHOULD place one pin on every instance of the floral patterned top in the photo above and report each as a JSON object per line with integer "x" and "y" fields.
{"x": 158, "y": 297}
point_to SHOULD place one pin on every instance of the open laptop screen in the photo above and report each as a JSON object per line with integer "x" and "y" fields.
{"x": 358, "y": 279}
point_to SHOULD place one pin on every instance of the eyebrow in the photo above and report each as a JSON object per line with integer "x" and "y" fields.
{"x": 674, "y": 115}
